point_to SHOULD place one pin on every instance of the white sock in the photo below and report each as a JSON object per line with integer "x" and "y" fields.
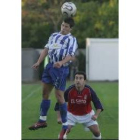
{"x": 66, "y": 123}
{"x": 43, "y": 118}
{"x": 99, "y": 137}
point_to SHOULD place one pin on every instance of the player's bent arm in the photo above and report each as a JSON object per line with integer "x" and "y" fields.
{"x": 95, "y": 116}
{"x": 43, "y": 54}
{"x": 98, "y": 111}
{"x": 95, "y": 100}
{"x": 67, "y": 59}
{"x": 73, "y": 58}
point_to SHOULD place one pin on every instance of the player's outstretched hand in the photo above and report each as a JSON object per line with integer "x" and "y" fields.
{"x": 35, "y": 66}
{"x": 57, "y": 64}
{"x": 94, "y": 117}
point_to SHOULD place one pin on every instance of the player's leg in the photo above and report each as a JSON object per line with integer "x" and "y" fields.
{"x": 59, "y": 121}
{"x": 92, "y": 125}
{"x": 44, "y": 107}
{"x": 63, "y": 112}
{"x": 59, "y": 78}
{"x": 91, "y": 113}
{"x": 45, "y": 104}
{"x": 63, "y": 134}
{"x": 71, "y": 122}
{"x": 96, "y": 131}
{"x": 56, "y": 108}
{"x": 60, "y": 84}
{"x": 62, "y": 107}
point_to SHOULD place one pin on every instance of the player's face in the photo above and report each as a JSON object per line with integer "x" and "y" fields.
{"x": 65, "y": 28}
{"x": 79, "y": 81}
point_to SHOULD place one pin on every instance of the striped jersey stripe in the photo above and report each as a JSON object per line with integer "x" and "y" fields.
{"x": 61, "y": 46}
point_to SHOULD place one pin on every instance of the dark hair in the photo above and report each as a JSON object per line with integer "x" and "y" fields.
{"x": 81, "y": 73}
{"x": 70, "y": 21}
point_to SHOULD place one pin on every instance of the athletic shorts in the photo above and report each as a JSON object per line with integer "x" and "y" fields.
{"x": 85, "y": 119}
{"x": 55, "y": 76}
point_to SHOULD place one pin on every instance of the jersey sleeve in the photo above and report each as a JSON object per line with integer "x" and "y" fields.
{"x": 95, "y": 100}
{"x": 50, "y": 40}
{"x": 66, "y": 93}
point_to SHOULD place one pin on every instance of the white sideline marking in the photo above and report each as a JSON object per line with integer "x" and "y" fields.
{"x": 27, "y": 88}
{"x": 29, "y": 95}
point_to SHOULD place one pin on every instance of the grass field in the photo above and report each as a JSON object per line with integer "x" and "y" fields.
{"x": 108, "y": 119}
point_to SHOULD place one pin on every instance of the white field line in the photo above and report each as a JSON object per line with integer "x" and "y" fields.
{"x": 27, "y": 88}
{"x": 29, "y": 95}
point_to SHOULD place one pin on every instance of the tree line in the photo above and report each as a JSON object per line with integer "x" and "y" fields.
{"x": 94, "y": 19}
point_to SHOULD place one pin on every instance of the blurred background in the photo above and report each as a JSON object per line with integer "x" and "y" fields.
{"x": 96, "y": 29}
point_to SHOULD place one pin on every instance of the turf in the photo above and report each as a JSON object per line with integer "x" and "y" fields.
{"x": 108, "y": 119}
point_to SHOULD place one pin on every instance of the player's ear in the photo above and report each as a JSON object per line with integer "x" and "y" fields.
{"x": 85, "y": 81}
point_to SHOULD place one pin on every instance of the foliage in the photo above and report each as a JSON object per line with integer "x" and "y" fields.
{"x": 94, "y": 19}
{"x": 39, "y": 20}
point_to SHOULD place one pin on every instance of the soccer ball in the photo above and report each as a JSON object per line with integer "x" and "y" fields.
{"x": 68, "y": 9}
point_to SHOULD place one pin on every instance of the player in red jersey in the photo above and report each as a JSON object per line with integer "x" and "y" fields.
{"x": 79, "y": 97}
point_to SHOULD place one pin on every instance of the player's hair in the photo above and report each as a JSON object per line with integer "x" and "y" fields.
{"x": 70, "y": 21}
{"x": 81, "y": 73}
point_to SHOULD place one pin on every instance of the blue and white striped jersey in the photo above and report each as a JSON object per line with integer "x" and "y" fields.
{"x": 61, "y": 46}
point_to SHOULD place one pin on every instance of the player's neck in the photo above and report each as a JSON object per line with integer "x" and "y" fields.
{"x": 80, "y": 88}
{"x": 62, "y": 33}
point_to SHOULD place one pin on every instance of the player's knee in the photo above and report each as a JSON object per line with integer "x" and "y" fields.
{"x": 97, "y": 137}
{"x": 96, "y": 133}
{"x": 60, "y": 99}
{"x": 45, "y": 95}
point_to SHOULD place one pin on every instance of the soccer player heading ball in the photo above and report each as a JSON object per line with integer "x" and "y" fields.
{"x": 79, "y": 97}
{"x": 61, "y": 49}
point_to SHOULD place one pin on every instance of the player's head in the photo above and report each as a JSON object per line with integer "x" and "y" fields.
{"x": 80, "y": 79}
{"x": 69, "y": 21}
{"x": 67, "y": 25}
